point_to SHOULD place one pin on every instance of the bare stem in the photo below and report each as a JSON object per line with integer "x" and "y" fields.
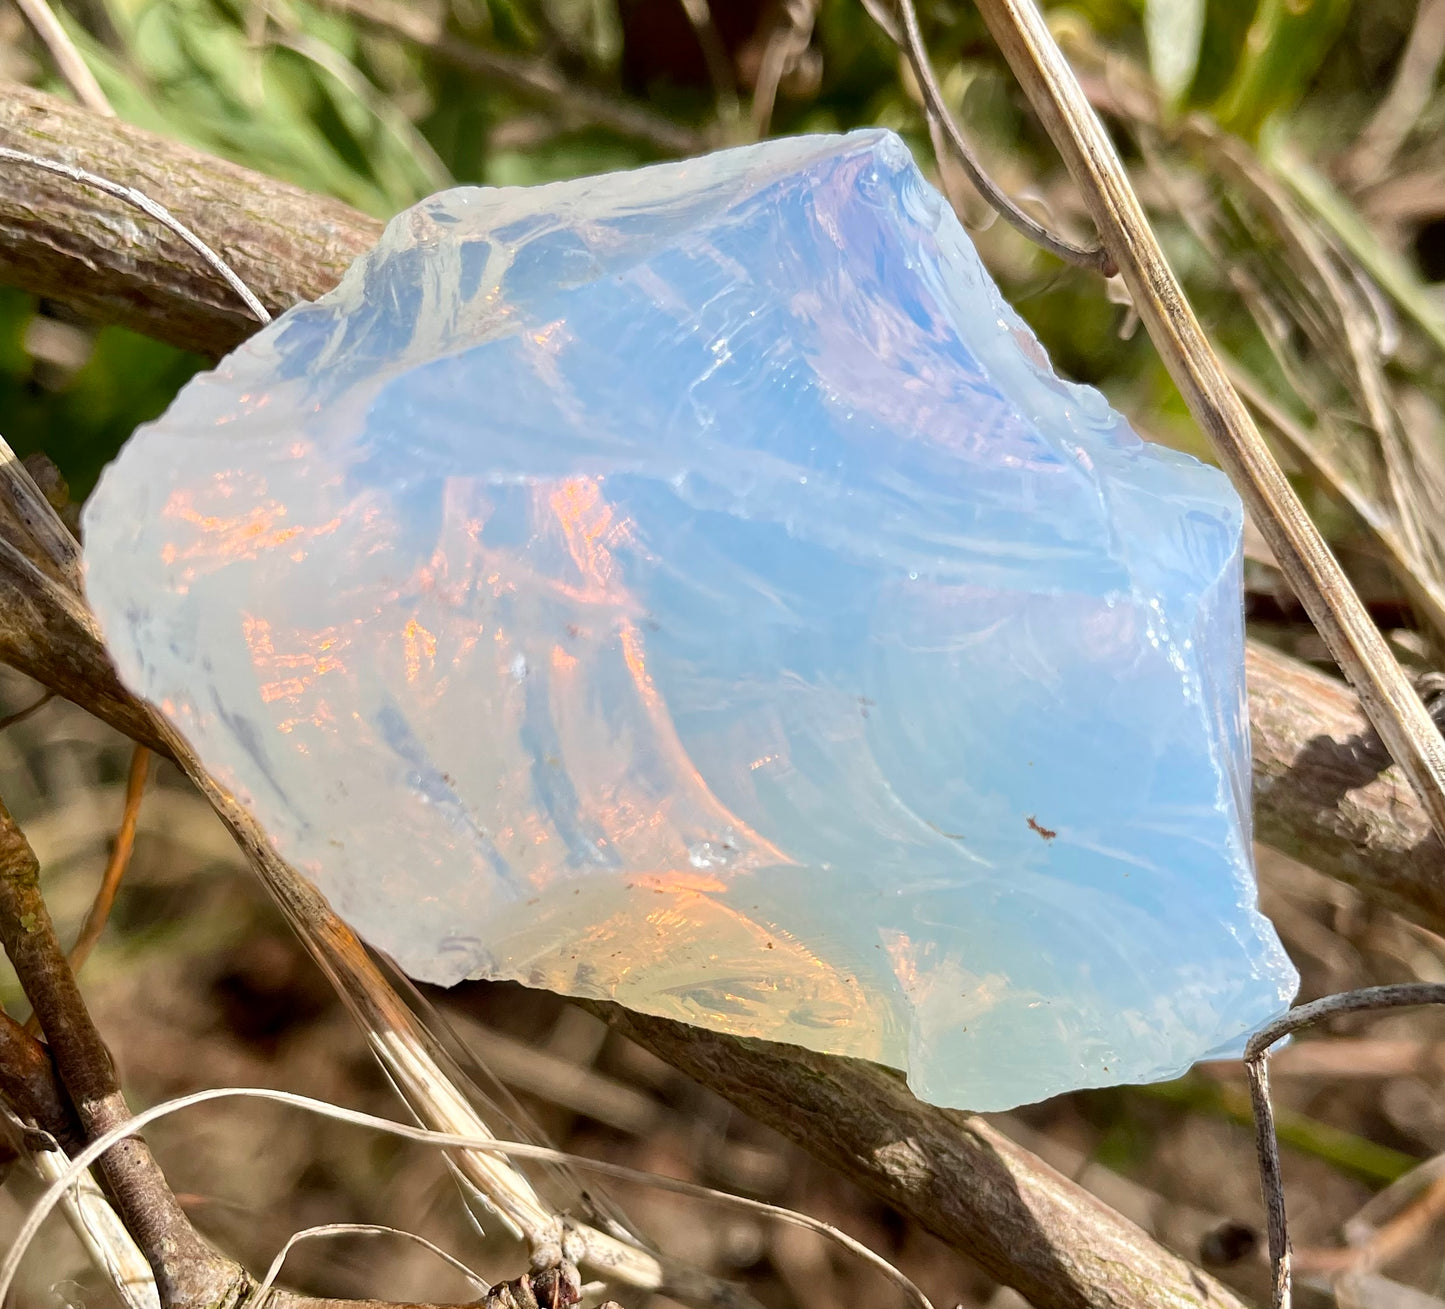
{"x": 118, "y": 862}
{"x": 1256, "y": 1065}
{"x": 187, "y": 1271}
{"x": 1095, "y": 258}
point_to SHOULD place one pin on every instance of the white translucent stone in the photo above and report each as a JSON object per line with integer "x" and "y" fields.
{"x": 691, "y": 587}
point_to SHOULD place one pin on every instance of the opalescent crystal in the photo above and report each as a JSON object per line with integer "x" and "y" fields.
{"x": 692, "y": 587}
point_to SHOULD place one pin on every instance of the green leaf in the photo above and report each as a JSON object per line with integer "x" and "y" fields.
{"x": 1174, "y": 30}
{"x": 1284, "y": 47}
{"x": 1226, "y": 23}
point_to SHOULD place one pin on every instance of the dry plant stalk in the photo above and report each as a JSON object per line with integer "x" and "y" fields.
{"x": 185, "y": 1267}
{"x": 119, "y": 861}
{"x": 69, "y": 62}
{"x": 1256, "y": 1066}
{"x": 1310, "y": 568}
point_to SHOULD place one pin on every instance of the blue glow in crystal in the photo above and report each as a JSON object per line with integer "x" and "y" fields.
{"x": 692, "y": 587}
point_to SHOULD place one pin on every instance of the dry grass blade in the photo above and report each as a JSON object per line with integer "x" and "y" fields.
{"x": 434, "y": 174}
{"x": 1380, "y": 142}
{"x": 68, "y": 60}
{"x": 257, "y": 1298}
{"x": 1322, "y": 318}
{"x": 447, "y": 1140}
{"x": 1427, "y": 590}
{"x": 95, "y": 1222}
{"x": 1309, "y": 567}
{"x": 1341, "y": 323}
{"x": 119, "y": 860}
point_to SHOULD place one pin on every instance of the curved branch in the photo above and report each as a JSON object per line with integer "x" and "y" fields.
{"x": 953, "y": 1173}
{"x": 92, "y": 251}
{"x": 1094, "y": 258}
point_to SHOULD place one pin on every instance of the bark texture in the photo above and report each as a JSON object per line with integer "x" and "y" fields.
{"x": 111, "y": 261}
{"x": 1326, "y": 793}
{"x": 954, "y": 1173}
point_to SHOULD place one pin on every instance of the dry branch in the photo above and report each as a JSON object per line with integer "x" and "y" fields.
{"x": 93, "y": 252}
{"x": 29, "y": 1087}
{"x": 1321, "y": 793}
{"x": 1325, "y": 794}
{"x": 187, "y": 1270}
{"x": 954, "y": 1173}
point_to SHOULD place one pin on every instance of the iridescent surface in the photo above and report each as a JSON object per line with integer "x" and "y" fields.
{"x": 691, "y": 587}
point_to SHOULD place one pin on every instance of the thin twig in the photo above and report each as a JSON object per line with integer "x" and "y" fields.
{"x": 187, "y": 1270}
{"x": 119, "y": 860}
{"x": 148, "y": 206}
{"x": 1305, "y": 559}
{"x": 1095, "y": 258}
{"x": 445, "y": 1140}
{"x": 715, "y": 56}
{"x": 1256, "y": 1067}
{"x": 69, "y": 62}
{"x": 791, "y": 34}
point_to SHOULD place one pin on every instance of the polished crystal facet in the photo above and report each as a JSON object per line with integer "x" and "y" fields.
{"x": 692, "y": 587}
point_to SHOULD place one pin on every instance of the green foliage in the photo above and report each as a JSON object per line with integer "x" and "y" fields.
{"x": 1282, "y": 49}
{"x": 1221, "y": 43}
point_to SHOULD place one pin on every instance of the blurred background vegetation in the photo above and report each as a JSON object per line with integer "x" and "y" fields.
{"x": 1292, "y": 157}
